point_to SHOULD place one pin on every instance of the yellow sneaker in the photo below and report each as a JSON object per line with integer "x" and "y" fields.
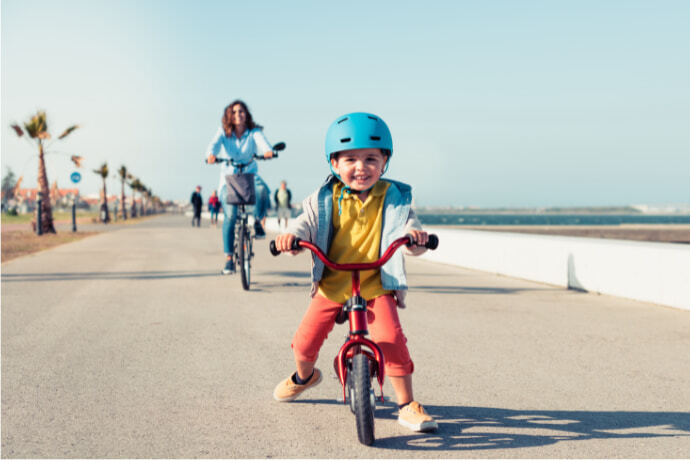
{"x": 288, "y": 390}
{"x": 414, "y": 417}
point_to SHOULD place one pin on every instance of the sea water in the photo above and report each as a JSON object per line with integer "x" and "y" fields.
{"x": 551, "y": 219}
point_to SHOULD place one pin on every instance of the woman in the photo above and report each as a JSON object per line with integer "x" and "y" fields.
{"x": 239, "y": 138}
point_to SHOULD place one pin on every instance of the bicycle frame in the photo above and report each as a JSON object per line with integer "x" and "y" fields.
{"x": 356, "y": 308}
{"x": 242, "y": 219}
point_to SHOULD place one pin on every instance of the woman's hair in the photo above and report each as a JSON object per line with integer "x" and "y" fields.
{"x": 228, "y": 127}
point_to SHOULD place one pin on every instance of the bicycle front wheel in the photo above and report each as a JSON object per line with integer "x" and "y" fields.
{"x": 362, "y": 400}
{"x": 245, "y": 254}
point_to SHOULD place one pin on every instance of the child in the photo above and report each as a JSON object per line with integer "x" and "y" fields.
{"x": 353, "y": 217}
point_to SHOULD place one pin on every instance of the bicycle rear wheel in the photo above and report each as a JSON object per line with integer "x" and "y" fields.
{"x": 245, "y": 254}
{"x": 363, "y": 408}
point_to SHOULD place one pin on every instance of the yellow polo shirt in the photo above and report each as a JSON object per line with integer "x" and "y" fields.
{"x": 356, "y": 238}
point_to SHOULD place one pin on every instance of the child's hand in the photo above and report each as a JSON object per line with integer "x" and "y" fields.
{"x": 284, "y": 242}
{"x": 420, "y": 238}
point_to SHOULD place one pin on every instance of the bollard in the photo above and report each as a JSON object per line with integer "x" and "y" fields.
{"x": 39, "y": 223}
{"x": 74, "y": 216}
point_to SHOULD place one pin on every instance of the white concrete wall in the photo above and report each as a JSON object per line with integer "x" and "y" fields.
{"x": 649, "y": 272}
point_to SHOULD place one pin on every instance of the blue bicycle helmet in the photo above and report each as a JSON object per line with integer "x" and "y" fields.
{"x": 358, "y": 130}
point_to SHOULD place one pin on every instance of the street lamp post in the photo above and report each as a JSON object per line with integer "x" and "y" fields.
{"x": 74, "y": 214}
{"x": 39, "y": 222}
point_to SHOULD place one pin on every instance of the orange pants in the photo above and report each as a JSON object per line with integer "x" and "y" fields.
{"x": 384, "y": 330}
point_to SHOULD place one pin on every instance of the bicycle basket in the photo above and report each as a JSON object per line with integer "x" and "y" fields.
{"x": 240, "y": 188}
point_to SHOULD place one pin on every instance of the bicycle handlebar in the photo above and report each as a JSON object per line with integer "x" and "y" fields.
{"x": 230, "y": 161}
{"x": 406, "y": 240}
{"x": 276, "y": 148}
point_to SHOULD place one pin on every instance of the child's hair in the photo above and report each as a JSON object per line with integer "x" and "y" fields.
{"x": 385, "y": 152}
{"x": 228, "y": 126}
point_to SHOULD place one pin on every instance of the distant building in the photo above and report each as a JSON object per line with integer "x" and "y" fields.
{"x": 59, "y": 197}
{"x": 25, "y": 199}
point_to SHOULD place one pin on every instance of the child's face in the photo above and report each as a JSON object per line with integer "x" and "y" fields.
{"x": 359, "y": 169}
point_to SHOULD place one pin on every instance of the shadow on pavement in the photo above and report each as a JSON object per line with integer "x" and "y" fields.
{"x": 78, "y": 276}
{"x": 471, "y": 290}
{"x": 304, "y": 274}
{"x": 483, "y": 428}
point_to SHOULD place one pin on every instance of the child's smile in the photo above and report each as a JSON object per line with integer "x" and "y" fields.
{"x": 359, "y": 169}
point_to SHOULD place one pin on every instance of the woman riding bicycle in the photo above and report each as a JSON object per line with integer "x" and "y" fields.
{"x": 239, "y": 138}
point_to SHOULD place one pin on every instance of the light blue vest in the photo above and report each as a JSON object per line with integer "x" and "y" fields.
{"x": 396, "y": 209}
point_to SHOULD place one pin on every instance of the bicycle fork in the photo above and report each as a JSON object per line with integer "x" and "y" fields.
{"x": 357, "y": 343}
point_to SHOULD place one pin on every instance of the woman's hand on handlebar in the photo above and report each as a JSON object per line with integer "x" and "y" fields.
{"x": 284, "y": 242}
{"x": 211, "y": 159}
{"x": 268, "y": 155}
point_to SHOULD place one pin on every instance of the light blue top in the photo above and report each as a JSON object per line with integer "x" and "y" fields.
{"x": 241, "y": 150}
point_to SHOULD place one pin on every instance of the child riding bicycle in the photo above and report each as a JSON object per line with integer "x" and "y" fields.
{"x": 352, "y": 217}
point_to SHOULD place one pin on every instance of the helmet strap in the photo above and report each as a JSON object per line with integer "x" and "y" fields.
{"x": 349, "y": 190}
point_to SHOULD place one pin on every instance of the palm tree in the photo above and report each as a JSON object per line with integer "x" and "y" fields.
{"x": 136, "y": 186}
{"x": 103, "y": 172}
{"x": 37, "y": 129}
{"x": 149, "y": 194}
{"x": 123, "y": 176}
{"x": 142, "y": 194}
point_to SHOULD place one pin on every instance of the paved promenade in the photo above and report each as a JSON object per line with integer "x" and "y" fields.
{"x": 130, "y": 344}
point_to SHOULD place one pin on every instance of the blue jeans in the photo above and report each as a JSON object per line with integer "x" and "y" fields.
{"x": 263, "y": 204}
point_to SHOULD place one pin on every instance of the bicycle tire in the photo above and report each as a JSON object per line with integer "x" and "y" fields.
{"x": 244, "y": 254}
{"x": 364, "y": 412}
{"x": 248, "y": 256}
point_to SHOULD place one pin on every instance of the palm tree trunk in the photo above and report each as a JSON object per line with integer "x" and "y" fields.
{"x": 46, "y": 209}
{"x": 105, "y": 203}
{"x": 124, "y": 208}
{"x": 134, "y": 204}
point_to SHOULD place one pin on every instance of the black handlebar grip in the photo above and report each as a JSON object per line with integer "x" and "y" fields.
{"x": 432, "y": 243}
{"x": 274, "y": 250}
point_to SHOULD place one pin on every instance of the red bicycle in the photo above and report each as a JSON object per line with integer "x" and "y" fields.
{"x": 359, "y": 359}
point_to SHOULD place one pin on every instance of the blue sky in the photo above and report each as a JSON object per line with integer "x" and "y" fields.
{"x": 491, "y": 103}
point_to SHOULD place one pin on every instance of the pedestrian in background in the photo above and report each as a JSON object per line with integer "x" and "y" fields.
{"x": 283, "y": 199}
{"x": 214, "y": 207}
{"x": 197, "y": 202}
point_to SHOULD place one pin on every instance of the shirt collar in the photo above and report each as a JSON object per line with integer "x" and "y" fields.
{"x": 244, "y": 134}
{"x": 379, "y": 189}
